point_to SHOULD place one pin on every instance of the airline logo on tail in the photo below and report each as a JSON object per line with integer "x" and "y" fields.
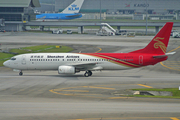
{"x": 73, "y": 8}
{"x": 160, "y": 44}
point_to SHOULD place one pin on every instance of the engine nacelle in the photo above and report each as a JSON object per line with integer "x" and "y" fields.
{"x": 66, "y": 70}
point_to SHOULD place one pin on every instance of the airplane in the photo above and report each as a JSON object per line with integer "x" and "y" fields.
{"x": 71, "y": 63}
{"x": 71, "y": 12}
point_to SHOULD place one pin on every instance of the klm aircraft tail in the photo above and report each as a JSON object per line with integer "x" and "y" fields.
{"x": 74, "y": 7}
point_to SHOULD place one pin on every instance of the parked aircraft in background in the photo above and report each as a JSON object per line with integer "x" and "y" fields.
{"x": 71, "y": 63}
{"x": 71, "y": 12}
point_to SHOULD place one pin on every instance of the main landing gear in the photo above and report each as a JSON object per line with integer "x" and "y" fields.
{"x": 20, "y": 73}
{"x": 88, "y": 73}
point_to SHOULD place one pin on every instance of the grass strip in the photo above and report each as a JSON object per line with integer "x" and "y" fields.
{"x": 175, "y": 92}
{"x": 41, "y": 49}
{"x": 35, "y": 49}
{"x": 4, "y": 57}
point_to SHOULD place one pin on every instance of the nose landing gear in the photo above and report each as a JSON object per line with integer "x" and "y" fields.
{"x": 88, "y": 73}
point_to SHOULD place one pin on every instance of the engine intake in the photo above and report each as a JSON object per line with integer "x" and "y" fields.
{"x": 66, "y": 70}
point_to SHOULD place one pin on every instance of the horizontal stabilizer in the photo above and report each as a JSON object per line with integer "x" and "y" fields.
{"x": 165, "y": 55}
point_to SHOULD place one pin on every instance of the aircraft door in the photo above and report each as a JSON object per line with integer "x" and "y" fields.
{"x": 141, "y": 60}
{"x": 23, "y": 60}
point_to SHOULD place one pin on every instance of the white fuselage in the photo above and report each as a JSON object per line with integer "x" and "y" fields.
{"x": 51, "y": 61}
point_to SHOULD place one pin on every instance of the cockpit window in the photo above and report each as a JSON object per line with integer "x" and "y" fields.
{"x": 13, "y": 58}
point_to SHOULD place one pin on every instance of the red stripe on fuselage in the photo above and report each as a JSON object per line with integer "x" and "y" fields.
{"x": 123, "y": 58}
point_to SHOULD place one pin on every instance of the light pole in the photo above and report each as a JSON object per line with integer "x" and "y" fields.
{"x": 100, "y": 11}
{"x": 146, "y": 17}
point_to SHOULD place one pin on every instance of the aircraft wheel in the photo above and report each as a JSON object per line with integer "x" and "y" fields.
{"x": 86, "y": 74}
{"x": 20, "y": 73}
{"x": 90, "y": 73}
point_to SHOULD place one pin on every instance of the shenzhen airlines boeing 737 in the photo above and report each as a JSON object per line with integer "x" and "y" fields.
{"x": 71, "y": 63}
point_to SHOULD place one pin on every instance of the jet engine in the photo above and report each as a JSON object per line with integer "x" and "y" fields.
{"x": 66, "y": 70}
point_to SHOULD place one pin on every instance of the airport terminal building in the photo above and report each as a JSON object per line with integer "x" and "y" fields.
{"x": 124, "y": 6}
{"x": 15, "y": 13}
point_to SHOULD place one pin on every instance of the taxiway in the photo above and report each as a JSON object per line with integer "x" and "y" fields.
{"x": 47, "y": 95}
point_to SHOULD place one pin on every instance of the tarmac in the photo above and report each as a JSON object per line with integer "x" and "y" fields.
{"x": 48, "y": 95}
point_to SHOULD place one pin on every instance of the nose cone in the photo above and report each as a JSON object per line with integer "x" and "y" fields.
{"x": 6, "y": 63}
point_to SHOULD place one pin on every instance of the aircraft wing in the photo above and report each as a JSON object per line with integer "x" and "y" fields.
{"x": 86, "y": 66}
{"x": 165, "y": 55}
{"x": 75, "y": 15}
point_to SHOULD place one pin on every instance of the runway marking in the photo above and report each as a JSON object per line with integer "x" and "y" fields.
{"x": 174, "y": 49}
{"x": 98, "y": 50}
{"x": 121, "y": 118}
{"x": 145, "y": 86}
{"x": 99, "y": 87}
{"x": 172, "y": 61}
{"x": 173, "y": 118}
{"x": 169, "y": 67}
{"x": 76, "y": 90}
{"x": 119, "y": 97}
{"x": 79, "y": 91}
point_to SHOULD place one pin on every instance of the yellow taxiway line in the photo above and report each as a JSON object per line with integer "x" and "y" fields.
{"x": 98, "y": 50}
{"x": 145, "y": 86}
{"x": 171, "y": 67}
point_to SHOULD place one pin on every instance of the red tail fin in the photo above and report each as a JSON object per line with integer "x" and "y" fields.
{"x": 159, "y": 43}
